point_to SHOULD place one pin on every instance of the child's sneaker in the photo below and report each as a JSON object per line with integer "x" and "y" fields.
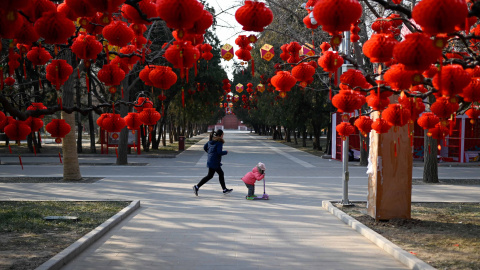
{"x": 226, "y": 191}
{"x": 250, "y": 197}
{"x": 195, "y": 190}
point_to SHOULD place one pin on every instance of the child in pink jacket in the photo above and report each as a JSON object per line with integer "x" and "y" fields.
{"x": 257, "y": 174}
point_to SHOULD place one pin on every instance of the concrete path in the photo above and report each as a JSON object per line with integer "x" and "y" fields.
{"x": 173, "y": 229}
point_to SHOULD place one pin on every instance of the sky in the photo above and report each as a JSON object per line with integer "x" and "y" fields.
{"x": 228, "y": 28}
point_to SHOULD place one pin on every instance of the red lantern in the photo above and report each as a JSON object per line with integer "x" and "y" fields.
{"x": 202, "y": 24}
{"x": 471, "y": 93}
{"x": 144, "y": 75}
{"x": 283, "y": 81}
{"x": 377, "y": 103}
{"x": 27, "y": 34}
{"x": 58, "y": 129}
{"x": 38, "y": 56}
{"x": 382, "y": 26}
{"x": 473, "y": 113}
{"x": 254, "y": 16}
{"x": 95, "y": 25}
{"x": 431, "y": 71}
{"x": 10, "y": 22}
{"x": 416, "y": 52}
{"x": 113, "y": 123}
{"x": 428, "y": 120}
{"x": 9, "y": 81}
{"x": 122, "y": 65}
{"x": 182, "y": 55}
{"x": 308, "y": 23}
{"x": 35, "y": 10}
{"x": 131, "y": 59}
{"x": 100, "y": 119}
{"x": 352, "y": 78}
{"x": 111, "y": 74}
{"x": 443, "y": 108}
{"x": 179, "y": 14}
{"x": 143, "y": 103}
{"x": 81, "y": 8}
{"x": 396, "y": 115}
{"x": 347, "y": 101}
{"x": 294, "y": 49}
{"x": 138, "y": 29}
{"x": 106, "y": 6}
{"x": 330, "y": 61}
{"x": 304, "y": 73}
{"x": 37, "y": 106}
{"x": 58, "y": 72}
{"x": 3, "y": 119}
{"x": 399, "y": 78}
{"x": 132, "y": 15}
{"x": 438, "y": 132}
{"x": 337, "y": 15}
{"x": 162, "y": 77}
{"x": 34, "y": 123}
{"x": 118, "y": 34}
{"x": 133, "y": 121}
{"x": 86, "y": 47}
{"x": 364, "y": 125}
{"x": 454, "y": 79}
{"x": 54, "y": 27}
{"x": 207, "y": 55}
{"x": 17, "y": 130}
{"x": 381, "y": 126}
{"x": 345, "y": 129}
{"x": 440, "y": 16}
{"x": 379, "y": 48}
{"x": 67, "y": 11}
{"x": 150, "y": 116}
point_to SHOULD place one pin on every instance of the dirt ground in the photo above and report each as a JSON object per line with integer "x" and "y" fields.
{"x": 444, "y": 235}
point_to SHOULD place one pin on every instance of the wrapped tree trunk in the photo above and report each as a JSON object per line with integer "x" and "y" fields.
{"x": 122, "y": 158}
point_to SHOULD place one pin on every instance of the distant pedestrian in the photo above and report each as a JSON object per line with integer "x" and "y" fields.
{"x": 257, "y": 174}
{"x": 214, "y": 148}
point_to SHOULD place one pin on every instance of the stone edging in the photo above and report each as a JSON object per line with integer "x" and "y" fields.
{"x": 401, "y": 255}
{"x": 66, "y": 255}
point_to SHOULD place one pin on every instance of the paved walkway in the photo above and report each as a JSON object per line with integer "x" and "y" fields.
{"x": 173, "y": 229}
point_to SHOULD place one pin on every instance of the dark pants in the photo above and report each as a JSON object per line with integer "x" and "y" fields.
{"x": 209, "y": 176}
{"x": 251, "y": 189}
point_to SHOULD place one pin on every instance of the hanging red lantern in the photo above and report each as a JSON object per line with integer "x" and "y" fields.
{"x": 81, "y": 8}
{"x": 133, "y": 121}
{"x": 138, "y": 29}
{"x": 111, "y": 74}
{"x": 416, "y": 52}
{"x": 345, "y": 129}
{"x": 431, "y": 71}
{"x": 3, "y": 120}
{"x": 439, "y": 132}
{"x": 202, "y": 24}
{"x": 67, "y": 11}
{"x": 182, "y": 55}
{"x": 10, "y": 22}
{"x": 9, "y": 81}
{"x": 453, "y": 80}
{"x": 179, "y": 14}
{"x": 58, "y": 72}
{"x": 440, "y": 16}
{"x": 106, "y": 6}
{"x": 308, "y": 23}
{"x": 54, "y": 27}
{"x": 399, "y": 78}
{"x": 303, "y": 72}
{"x": 254, "y": 16}
{"x": 17, "y": 130}
{"x": 325, "y": 46}
{"x": 249, "y": 88}
{"x": 337, "y": 15}
{"x": 379, "y": 48}
{"x": 428, "y": 120}
{"x": 95, "y": 25}
{"x": 38, "y": 56}
{"x": 294, "y": 49}
{"x": 26, "y": 34}
{"x": 352, "y": 78}
{"x": 146, "y": 7}
{"x": 396, "y": 115}
{"x": 101, "y": 118}
{"x": 473, "y": 113}
{"x": 377, "y": 103}
{"x": 37, "y": 106}
{"x": 347, "y": 101}
{"x": 283, "y": 81}
{"x": 364, "y": 124}
{"x": 443, "y": 107}
{"x": 113, "y": 123}
{"x": 58, "y": 129}
{"x": 471, "y": 93}
{"x": 162, "y": 77}
{"x": 118, "y": 34}
{"x": 150, "y": 116}
{"x": 35, "y": 123}
{"x": 382, "y": 25}
{"x": 35, "y": 10}
{"x": 381, "y": 126}
{"x": 207, "y": 55}
{"x": 143, "y": 103}
{"x": 86, "y": 47}
{"x": 130, "y": 51}
{"x": 330, "y": 61}
{"x": 117, "y": 61}
{"x": 144, "y": 74}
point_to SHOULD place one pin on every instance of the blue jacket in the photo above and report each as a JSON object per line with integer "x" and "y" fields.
{"x": 214, "y": 148}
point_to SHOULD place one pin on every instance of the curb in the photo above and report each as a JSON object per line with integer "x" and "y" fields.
{"x": 401, "y": 255}
{"x": 66, "y": 255}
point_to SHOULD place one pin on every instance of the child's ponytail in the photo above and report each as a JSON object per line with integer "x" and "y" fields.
{"x": 212, "y": 134}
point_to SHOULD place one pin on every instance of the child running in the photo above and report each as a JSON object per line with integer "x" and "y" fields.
{"x": 257, "y": 174}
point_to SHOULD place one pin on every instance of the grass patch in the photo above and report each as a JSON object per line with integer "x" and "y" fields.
{"x": 445, "y": 235}
{"x": 27, "y": 240}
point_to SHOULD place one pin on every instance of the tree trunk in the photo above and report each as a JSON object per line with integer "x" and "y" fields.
{"x": 430, "y": 163}
{"x": 295, "y": 137}
{"x": 71, "y": 167}
{"x": 77, "y": 115}
{"x": 304, "y": 137}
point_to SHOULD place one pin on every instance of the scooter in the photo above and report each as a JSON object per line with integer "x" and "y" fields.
{"x": 265, "y": 195}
